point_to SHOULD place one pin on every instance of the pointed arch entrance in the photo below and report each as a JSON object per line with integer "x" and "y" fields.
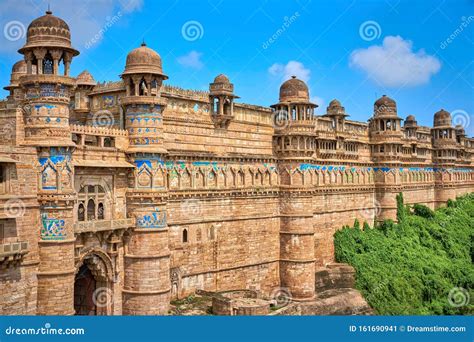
{"x": 93, "y": 284}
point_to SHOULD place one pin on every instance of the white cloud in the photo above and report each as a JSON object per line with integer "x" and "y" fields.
{"x": 86, "y": 19}
{"x": 395, "y": 64}
{"x": 191, "y": 60}
{"x": 292, "y": 68}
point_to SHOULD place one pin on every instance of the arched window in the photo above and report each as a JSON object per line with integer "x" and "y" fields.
{"x": 143, "y": 88}
{"x": 81, "y": 212}
{"x": 100, "y": 211}
{"x": 185, "y": 235}
{"x": 48, "y": 64}
{"x": 90, "y": 210}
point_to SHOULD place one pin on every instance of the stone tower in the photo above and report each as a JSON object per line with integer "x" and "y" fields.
{"x": 46, "y": 90}
{"x": 294, "y": 120}
{"x": 221, "y": 97}
{"x": 444, "y": 155}
{"x": 338, "y": 115}
{"x": 385, "y": 135}
{"x": 147, "y": 260}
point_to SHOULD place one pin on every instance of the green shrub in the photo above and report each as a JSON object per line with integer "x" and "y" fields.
{"x": 410, "y": 268}
{"x": 423, "y": 211}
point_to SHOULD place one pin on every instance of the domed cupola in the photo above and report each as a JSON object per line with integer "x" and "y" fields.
{"x": 144, "y": 60}
{"x": 48, "y": 30}
{"x": 442, "y": 118}
{"x": 221, "y": 98}
{"x": 294, "y": 104}
{"x": 385, "y": 119}
{"x": 143, "y": 104}
{"x": 18, "y": 70}
{"x": 337, "y": 113}
{"x": 294, "y": 90}
{"x": 385, "y": 106}
{"x": 47, "y": 85}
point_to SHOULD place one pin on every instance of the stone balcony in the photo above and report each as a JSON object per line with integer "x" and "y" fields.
{"x": 12, "y": 253}
{"x": 103, "y": 225}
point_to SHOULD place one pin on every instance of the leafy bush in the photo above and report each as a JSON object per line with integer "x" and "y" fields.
{"x": 423, "y": 211}
{"x": 410, "y": 268}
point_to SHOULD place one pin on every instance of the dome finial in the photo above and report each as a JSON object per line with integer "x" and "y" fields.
{"x": 143, "y": 42}
{"x": 49, "y": 9}
{"x": 293, "y": 76}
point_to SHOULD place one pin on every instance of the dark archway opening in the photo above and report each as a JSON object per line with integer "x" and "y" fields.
{"x": 84, "y": 288}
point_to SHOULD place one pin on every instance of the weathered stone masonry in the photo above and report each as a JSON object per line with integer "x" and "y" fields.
{"x": 118, "y": 197}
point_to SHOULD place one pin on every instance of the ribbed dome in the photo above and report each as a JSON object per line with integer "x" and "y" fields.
{"x": 48, "y": 31}
{"x": 85, "y": 78}
{"x": 442, "y": 118}
{"x": 385, "y": 106}
{"x": 385, "y": 101}
{"x": 335, "y": 103}
{"x": 143, "y": 60}
{"x": 221, "y": 79}
{"x": 294, "y": 90}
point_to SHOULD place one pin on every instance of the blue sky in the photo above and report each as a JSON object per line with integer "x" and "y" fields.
{"x": 354, "y": 51}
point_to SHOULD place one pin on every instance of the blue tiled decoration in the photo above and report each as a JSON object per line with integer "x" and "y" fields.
{"x": 109, "y": 100}
{"x": 52, "y": 229}
{"x": 154, "y": 219}
{"x": 305, "y": 167}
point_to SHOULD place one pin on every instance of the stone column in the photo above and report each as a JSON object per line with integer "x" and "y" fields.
{"x": 56, "y": 246}
{"x": 40, "y": 54}
{"x": 297, "y": 255}
{"x": 147, "y": 263}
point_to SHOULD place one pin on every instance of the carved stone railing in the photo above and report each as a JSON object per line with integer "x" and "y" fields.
{"x": 12, "y": 253}
{"x": 103, "y": 225}
{"x": 98, "y": 131}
